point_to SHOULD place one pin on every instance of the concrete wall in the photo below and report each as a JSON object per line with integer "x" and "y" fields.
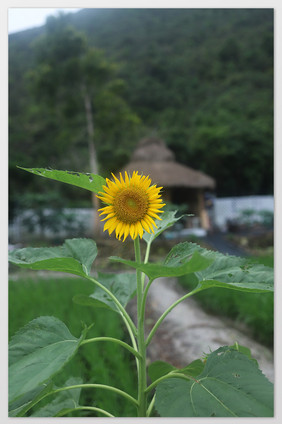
{"x": 230, "y": 208}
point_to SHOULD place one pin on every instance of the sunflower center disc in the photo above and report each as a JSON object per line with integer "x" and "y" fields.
{"x": 131, "y": 204}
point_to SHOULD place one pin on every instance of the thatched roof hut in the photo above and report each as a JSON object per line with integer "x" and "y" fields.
{"x": 152, "y": 157}
{"x": 181, "y": 183}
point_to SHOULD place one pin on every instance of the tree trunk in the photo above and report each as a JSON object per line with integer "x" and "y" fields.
{"x": 94, "y": 168}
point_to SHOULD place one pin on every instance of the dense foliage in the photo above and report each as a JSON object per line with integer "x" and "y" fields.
{"x": 202, "y": 79}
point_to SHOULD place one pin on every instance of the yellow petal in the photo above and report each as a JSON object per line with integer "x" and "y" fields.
{"x": 121, "y": 179}
{"x": 151, "y": 220}
{"x": 149, "y": 223}
{"x": 132, "y": 231}
{"x": 109, "y": 223}
{"x": 108, "y": 217}
{"x": 126, "y": 178}
{"x": 118, "y": 228}
{"x": 155, "y": 210}
{"x": 106, "y": 198}
{"x": 112, "y": 228}
{"x": 118, "y": 183}
{"x": 145, "y": 225}
{"x": 106, "y": 209}
{"x": 139, "y": 229}
{"x": 126, "y": 231}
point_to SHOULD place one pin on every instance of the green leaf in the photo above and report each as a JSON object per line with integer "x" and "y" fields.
{"x": 84, "y": 300}
{"x": 212, "y": 269}
{"x": 225, "y": 271}
{"x": 122, "y": 286}
{"x": 193, "y": 369}
{"x": 168, "y": 219}
{"x": 67, "y": 399}
{"x": 183, "y": 251}
{"x": 245, "y": 350}
{"x": 158, "y": 369}
{"x": 74, "y": 256}
{"x": 38, "y": 351}
{"x": 87, "y": 181}
{"x": 231, "y": 385}
{"x": 183, "y": 265}
{"x": 22, "y": 404}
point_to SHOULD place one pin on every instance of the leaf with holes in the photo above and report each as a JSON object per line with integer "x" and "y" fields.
{"x": 91, "y": 182}
{"x": 231, "y": 385}
{"x": 225, "y": 271}
{"x": 37, "y": 352}
{"x": 75, "y": 256}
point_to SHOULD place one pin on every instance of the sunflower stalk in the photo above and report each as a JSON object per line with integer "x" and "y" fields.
{"x": 142, "y": 374}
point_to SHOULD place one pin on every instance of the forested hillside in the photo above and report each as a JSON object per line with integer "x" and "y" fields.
{"x": 201, "y": 79}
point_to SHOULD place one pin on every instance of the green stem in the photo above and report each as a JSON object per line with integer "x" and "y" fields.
{"x": 142, "y": 375}
{"x": 123, "y": 312}
{"x": 134, "y": 344}
{"x": 132, "y": 336}
{"x": 162, "y": 317}
{"x": 169, "y": 375}
{"x": 145, "y": 297}
{"x": 86, "y": 386}
{"x": 89, "y": 408}
{"x": 150, "y": 408}
{"x": 96, "y": 386}
{"x": 111, "y": 339}
{"x": 147, "y": 252}
{"x": 145, "y": 261}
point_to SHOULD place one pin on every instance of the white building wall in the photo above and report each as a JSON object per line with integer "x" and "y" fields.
{"x": 229, "y": 208}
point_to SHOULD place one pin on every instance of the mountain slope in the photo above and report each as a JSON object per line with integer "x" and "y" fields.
{"x": 201, "y": 78}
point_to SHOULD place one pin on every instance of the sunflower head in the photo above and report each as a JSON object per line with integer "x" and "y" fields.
{"x": 132, "y": 205}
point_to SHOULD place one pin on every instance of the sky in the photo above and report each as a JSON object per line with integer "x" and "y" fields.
{"x": 23, "y": 18}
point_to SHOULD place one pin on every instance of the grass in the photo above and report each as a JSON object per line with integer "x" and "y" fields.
{"x": 253, "y": 309}
{"x": 267, "y": 260}
{"x": 102, "y": 362}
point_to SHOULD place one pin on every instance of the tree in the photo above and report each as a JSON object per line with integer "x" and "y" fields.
{"x": 203, "y": 78}
{"x": 75, "y": 86}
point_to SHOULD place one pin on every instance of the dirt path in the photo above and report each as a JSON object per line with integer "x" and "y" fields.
{"x": 218, "y": 242}
{"x": 188, "y": 332}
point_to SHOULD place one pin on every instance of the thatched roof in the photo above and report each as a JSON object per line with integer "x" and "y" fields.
{"x": 152, "y": 157}
{"x": 152, "y": 149}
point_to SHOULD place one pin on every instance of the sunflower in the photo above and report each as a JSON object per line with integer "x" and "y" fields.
{"x": 132, "y": 205}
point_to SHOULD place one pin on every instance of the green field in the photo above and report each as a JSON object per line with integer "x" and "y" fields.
{"x": 253, "y": 309}
{"x": 103, "y": 362}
